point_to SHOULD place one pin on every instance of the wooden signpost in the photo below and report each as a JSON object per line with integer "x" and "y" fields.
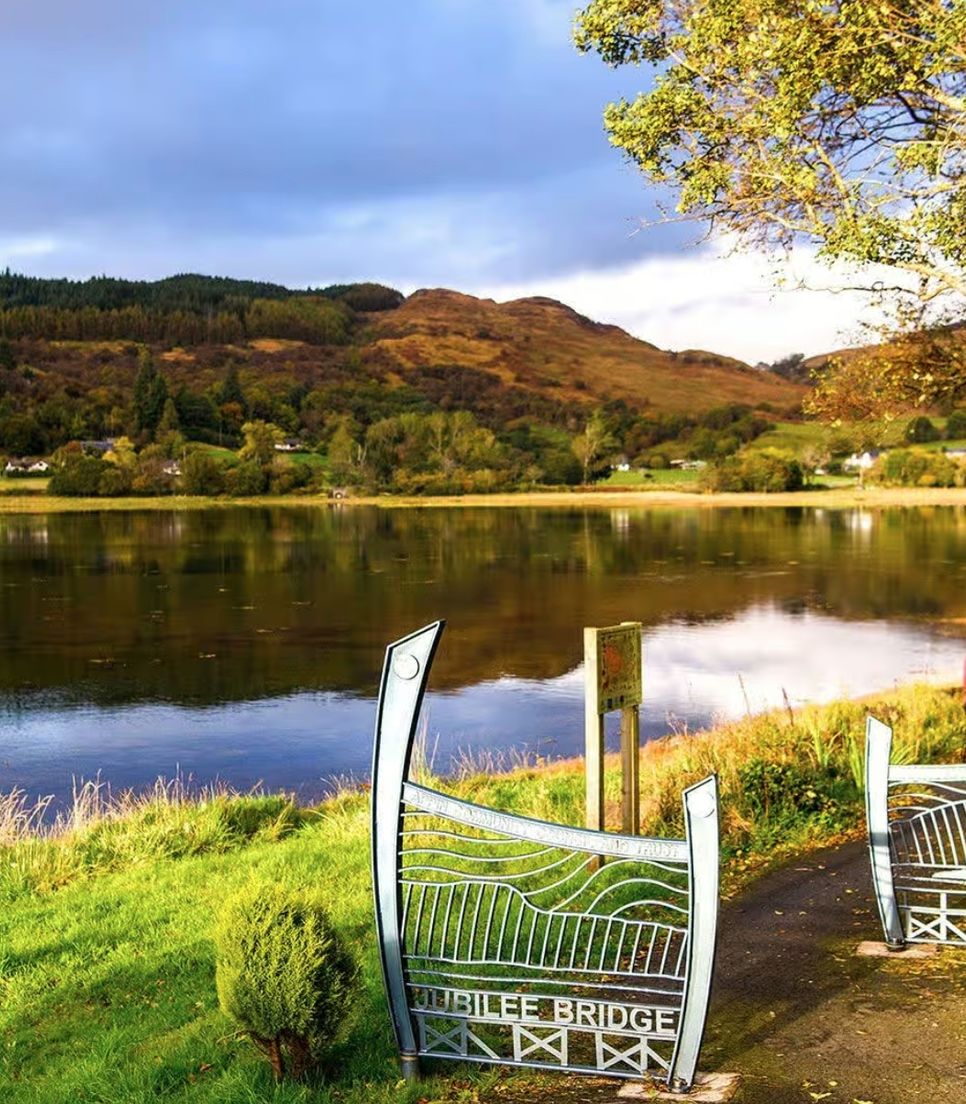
{"x": 612, "y": 677}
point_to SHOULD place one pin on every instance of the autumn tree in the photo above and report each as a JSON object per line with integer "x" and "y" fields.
{"x": 841, "y": 125}
{"x": 344, "y": 453}
{"x": 260, "y": 441}
{"x": 591, "y": 445}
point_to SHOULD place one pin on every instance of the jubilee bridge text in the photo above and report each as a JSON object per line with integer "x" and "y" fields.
{"x": 552, "y": 1011}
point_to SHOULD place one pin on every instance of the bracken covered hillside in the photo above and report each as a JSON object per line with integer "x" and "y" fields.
{"x": 542, "y": 345}
{"x": 227, "y": 350}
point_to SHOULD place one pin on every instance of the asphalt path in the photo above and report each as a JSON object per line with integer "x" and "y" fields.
{"x": 801, "y": 1017}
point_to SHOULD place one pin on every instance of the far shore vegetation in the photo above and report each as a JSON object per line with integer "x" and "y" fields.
{"x": 107, "y": 977}
{"x": 199, "y": 387}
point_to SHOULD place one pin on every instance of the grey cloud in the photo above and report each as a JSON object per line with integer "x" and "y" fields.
{"x": 421, "y": 140}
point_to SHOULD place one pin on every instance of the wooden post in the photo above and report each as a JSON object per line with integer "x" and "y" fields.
{"x": 612, "y": 680}
{"x": 630, "y": 771}
{"x": 593, "y": 736}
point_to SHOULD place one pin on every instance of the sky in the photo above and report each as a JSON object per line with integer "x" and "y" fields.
{"x": 431, "y": 143}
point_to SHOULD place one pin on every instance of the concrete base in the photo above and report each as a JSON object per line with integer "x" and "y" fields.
{"x": 869, "y": 949}
{"x": 708, "y": 1088}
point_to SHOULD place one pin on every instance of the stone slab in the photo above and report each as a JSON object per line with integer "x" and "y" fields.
{"x": 708, "y": 1088}
{"x": 870, "y": 949}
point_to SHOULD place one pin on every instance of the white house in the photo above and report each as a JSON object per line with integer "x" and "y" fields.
{"x": 26, "y": 467}
{"x": 861, "y": 462}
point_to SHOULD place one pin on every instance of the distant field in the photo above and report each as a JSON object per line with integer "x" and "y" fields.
{"x": 309, "y": 459}
{"x": 229, "y": 456}
{"x": 938, "y": 446}
{"x": 664, "y": 477}
{"x": 791, "y": 436}
{"x": 225, "y": 455}
{"x": 22, "y": 486}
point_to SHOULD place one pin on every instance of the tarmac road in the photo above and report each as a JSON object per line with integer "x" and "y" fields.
{"x": 801, "y": 1017}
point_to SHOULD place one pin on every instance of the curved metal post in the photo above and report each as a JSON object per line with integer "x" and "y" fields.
{"x": 404, "y": 677}
{"x": 878, "y": 748}
{"x": 701, "y": 817}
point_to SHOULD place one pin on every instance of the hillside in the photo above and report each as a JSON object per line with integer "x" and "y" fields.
{"x": 195, "y": 358}
{"x": 542, "y": 345}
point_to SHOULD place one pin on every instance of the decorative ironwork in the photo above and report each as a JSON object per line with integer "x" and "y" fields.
{"x": 505, "y": 939}
{"x": 917, "y": 843}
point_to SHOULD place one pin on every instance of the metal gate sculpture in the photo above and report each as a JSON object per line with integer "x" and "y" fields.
{"x": 509, "y": 940}
{"x": 917, "y": 843}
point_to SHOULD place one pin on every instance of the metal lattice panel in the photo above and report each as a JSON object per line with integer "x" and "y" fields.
{"x": 515, "y": 941}
{"x": 917, "y": 835}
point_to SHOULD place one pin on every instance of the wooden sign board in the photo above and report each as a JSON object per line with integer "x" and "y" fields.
{"x": 613, "y": 656}
{"x": 612, "y": 679}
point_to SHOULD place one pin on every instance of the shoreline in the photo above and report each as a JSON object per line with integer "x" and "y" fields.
{"x": 836, "y": 498}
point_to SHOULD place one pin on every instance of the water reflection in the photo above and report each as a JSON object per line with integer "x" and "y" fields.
{"x": 247, "y": 644}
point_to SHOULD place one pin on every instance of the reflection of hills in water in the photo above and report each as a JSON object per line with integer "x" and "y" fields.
{"x": 233, "y": 605}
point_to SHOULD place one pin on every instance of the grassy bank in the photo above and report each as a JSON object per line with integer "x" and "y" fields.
{"x": 106, "y": 962}
{"x": 833, "y": 498}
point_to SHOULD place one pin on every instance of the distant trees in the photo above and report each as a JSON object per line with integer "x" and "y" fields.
{"x": 763, "y": 470}
{"x": 365, "y": 297}
{"x": 184, "y": 310}
{"x": 150, "y": 395}
{"x": 436, "y": 453}
{"x": 791, "y": 367}
{"x": 917, "y": 468}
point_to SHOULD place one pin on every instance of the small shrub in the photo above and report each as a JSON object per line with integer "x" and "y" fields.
{"x": 202, "y": 475}
{"x": 921, "y": 429}
{"x": 914, "y": 468}
{"x": 78, "y": 476}
{"x": 956, "y": 425}
{"x": 246, "y": 479}
{"x": 283, "y": 974}
{"x": 768, "y": 470}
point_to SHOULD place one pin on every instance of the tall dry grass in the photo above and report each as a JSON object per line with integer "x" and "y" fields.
{"x": 43, "y": 846}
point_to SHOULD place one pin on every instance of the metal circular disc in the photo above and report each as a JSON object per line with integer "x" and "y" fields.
{"x": 405, "y": 666}
{"x": 701, "y": 804}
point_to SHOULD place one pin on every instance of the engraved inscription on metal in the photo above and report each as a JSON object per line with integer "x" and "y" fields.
{"x": 917, "y": 844}
{"x": 618, "y": 667}
{"x": 505, "y": 941}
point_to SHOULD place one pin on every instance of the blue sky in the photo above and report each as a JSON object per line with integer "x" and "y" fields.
{"x": 450, "y": 143}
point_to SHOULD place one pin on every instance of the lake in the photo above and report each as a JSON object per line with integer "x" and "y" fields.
{"x": 246, "y": 644}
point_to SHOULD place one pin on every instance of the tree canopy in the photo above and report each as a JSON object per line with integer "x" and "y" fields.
{"x": 840, "y": 123}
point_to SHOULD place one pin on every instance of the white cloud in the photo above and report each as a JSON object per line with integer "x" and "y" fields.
{"x": 28, "y": 247}
{"x": 709, "y": 298}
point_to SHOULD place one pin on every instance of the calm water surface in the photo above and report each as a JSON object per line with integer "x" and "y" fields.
{"x": 246, "y": 644}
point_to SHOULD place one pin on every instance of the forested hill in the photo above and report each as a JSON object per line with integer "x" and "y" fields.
{"x": 226, "y": 351}
{"x": 184, "y": 292}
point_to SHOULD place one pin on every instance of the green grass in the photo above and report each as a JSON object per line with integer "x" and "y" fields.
{"x": 792, "y": 436}
{"x": 939, "y": 446}
{"x": 652, "y": 477}
{"x": 310, "y": 460}
{"x": 224, "y": 455}
{"x": 106, "y": 960}
{"x": 26, "y": 486}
